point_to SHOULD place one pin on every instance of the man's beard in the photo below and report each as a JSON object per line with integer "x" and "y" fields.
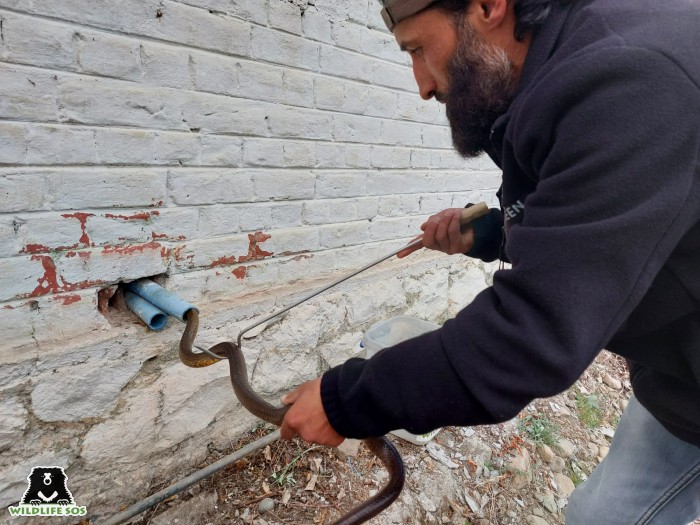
{"x": 482, "y": 83}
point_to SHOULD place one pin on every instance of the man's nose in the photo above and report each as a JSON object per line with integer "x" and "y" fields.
{"x": 427, "y": 86}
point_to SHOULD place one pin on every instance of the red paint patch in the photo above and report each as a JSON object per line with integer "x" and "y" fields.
{"x": 223, "y": 261}
{"x": 129, "y": 250}
{"x": 48, "y": 283}
{"x": 82, "y": 218}
{"x": 141, "y": 216}
{"x": 240, "y": 272}
{"x": 67, "y": 299}
{"x": 8, "y": 307}
{"x": 254, "y": 251}
{"x": 159, "y": 235}
{"x": 35, "y": 248}
{"x": 302, "y": 257}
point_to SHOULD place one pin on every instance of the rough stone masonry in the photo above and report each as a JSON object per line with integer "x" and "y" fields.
{"x": 243, "y": 152}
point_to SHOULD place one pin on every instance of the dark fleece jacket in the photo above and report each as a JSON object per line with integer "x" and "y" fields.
{"x": 601, "y": 207}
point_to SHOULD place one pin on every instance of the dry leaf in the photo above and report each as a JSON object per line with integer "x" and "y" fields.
{"x": 266, "y": 487}
{"x": 312, "y": 482}
{"x": 268, "y": 453}
{"x": 286, "y": 496}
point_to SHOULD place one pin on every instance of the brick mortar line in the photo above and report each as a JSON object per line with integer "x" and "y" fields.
{"x": 212, "y": 93}
{"x": 207, "y": 50}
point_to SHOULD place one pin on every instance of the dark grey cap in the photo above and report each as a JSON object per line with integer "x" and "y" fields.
{"x": 396, "y": 10}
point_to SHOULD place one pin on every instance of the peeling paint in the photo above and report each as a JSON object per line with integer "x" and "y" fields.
{"x": 240, "y": 272}
{"x": 82, "y": 218}
{"x": 254, "y": 251}
{"x": 223, "y": 261}
{"x": 67, "y": 299}
{"x": 48, "y": 283}
{"x": 136, "y": 248}
{"x": 140, "y": 216}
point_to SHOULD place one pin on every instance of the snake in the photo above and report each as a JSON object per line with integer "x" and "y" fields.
{"x": 381, "y": 447}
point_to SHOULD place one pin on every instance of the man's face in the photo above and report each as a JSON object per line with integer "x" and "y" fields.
{"x": 453, "y": 63}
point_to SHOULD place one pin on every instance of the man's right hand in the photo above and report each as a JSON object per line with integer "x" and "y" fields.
{"x": 442, "y": 232}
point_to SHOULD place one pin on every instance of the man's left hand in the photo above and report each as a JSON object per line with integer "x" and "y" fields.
{"x": 307, "y": 418}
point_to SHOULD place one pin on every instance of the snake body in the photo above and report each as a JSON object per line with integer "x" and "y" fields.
{"x": 380, "y": 446}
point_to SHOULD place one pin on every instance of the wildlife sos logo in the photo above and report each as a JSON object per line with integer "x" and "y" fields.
{"x": 47, "y": 495}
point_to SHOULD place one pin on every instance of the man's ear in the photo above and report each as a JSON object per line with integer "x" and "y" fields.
{"x": 489, "y": 14}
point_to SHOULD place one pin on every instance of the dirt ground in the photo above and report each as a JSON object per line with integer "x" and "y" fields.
{"x": 520, "y": 472}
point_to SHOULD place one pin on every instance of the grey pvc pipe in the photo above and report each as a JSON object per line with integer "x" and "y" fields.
{"x": 154, "y": 317}
{"x": 190, "y": 480}
{"x": 164, "y": 299}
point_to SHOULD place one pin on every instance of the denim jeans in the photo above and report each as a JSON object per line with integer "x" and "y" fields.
{"x": 649, "y": 477}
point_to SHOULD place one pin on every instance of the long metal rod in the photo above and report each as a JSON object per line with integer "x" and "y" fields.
{"x": 181, "y": 485}
{"x": 412, "y": 244}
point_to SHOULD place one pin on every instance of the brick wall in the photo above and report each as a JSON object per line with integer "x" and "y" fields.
{"x": 244, "y": 151}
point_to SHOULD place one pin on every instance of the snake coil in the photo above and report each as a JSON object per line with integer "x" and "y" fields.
{"x": 381, "y": 446}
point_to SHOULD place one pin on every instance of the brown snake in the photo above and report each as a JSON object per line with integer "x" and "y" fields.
{"x": 381, "y": 446}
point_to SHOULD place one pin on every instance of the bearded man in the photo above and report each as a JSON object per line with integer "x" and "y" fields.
{"x": 591, "y": 108}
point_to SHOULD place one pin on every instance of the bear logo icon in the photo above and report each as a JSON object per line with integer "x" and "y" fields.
{"x": 47, "y": 486}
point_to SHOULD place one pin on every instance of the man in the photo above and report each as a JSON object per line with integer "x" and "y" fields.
{"x": 591, "y": 108}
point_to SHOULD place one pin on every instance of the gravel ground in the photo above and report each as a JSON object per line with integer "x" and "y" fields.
{"x": 519, "y": 472}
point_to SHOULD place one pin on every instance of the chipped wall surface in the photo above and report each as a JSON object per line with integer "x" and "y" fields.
{"x": 245, "y": 151}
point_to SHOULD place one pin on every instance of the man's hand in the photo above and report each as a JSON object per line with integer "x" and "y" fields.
{"x": 442, "y": 232}
{"x": 307, "y": 418}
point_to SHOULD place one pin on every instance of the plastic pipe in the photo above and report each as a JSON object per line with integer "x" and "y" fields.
{"x": 164, "y": 299}
{"x": 190, "y": 480}
{"x": 154, "y": 317}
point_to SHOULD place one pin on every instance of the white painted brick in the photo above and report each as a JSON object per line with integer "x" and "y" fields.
{"x": 209, "y": 186}
{"x": 348, "y": 234}
{"x": 430, "y": 204}
{"x": 284, "y": 185}
{"x": 345, "y": 64}
{"x": 382, "y": 45}
{"x": 221, "y": 151}
{"x": 330, "y": 154}
{"x": 357, "y": 98}
{"x": 109, "y": 55}
{"x": 60, "y": 145}
{"x": 386, "y": 182}
{"x": 390, "y": 157}
{"x": 298, "y": 88}
{"x": 398, "y": 133}
{"x": 27, "y": 94}
{"x": 381, "y": 103}
{"x": 255, "y": 217}
{"x": 13, "y": 142}
{"x": 219, "y": 220}
{"x": 352, "y": 128}
{"x": 329, "y": 93}
{"x": 272, "y": 46}
{"x": 341, "y": 184}
{"x": 9, "y": 241}
{"x": 436, "y": 137}
{"x": 330, "y": 211}
{"x": 395, "y": 228}
{"x": 23, "y": 277}
{"x": 260, "y": 81}
{"x": 169, "y": 66}
{"x": 214, "y": 73}
{"x": 316, "y": 25}
{"x": 393, "y": 76}
{"x": 399, "y": 205}
{"x": 299, "y": 154}
{"x": 48, "y": 231}
{"x": 286, "y": 215}
{"x": 258, "y": 152}
{"x": 420, "y": 158}
{"x": 285, "y": 16}
{"x": 357, "y": 11}
{"x": 178, "y": 23}
{"x": 41, "y": 43}
{"x": 295, "y": 122}
{"x": 22, "y": 192}
{"x": 132, "y": 146}
{"x": 358, "y": 156}
{"x": 72, "y": 189}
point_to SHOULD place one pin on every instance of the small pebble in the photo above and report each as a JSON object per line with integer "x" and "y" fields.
{"x": 266, "y": 505}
